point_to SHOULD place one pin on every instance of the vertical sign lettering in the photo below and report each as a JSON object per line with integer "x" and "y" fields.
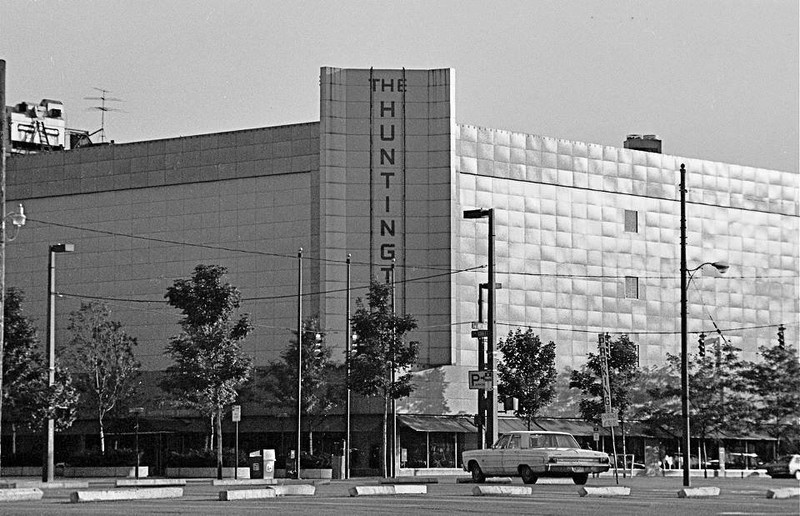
{"x": 388, "y": 165}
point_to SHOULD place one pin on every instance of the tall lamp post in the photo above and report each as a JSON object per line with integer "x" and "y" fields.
{"x": 299, "y": 353}
{"x": 348, "y": 350}
{"x": 491, "y": 402}
{"x": 48, "y": 466}
{"x": 686, "y": 277}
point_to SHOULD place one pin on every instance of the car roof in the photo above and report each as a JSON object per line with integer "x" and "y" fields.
{"x": 536, "y": 432}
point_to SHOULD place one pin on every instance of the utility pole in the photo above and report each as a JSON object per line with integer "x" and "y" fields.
{"x": 3, "y": 136}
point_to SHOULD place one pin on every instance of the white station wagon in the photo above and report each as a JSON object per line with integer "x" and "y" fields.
{"x": 531, "y": 455}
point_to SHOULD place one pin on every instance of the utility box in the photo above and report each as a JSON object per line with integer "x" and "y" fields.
{"x": 262, "y": 464}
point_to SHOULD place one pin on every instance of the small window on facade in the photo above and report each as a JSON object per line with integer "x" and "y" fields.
{"x": 631, "y": 221}
{"x": 632, "y": 287}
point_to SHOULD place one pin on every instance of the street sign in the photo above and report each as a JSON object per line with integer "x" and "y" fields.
{"x": 609, "y": 419}
{"x": 481, "y": 380}
{"x": 477, "y": 325}
{"x": 480, "y": 334}
{"x": 236, "y": 413}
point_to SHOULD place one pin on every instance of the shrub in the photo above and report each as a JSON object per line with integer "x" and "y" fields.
{"x": 205, "y": 458}
{"x": 94, "y": 458}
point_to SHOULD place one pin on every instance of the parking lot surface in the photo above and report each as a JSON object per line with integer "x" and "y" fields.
{"x": 649, "y": 496}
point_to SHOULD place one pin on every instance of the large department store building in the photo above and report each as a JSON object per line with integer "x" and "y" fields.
{"x": 587, "y": 239}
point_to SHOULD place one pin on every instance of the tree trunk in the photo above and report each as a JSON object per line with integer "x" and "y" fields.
{"x": 211, "y": 432}
{"x": 102, "y": 435}
{"x": 219, "y": 443}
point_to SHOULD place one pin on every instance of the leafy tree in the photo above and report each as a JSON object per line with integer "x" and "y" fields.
{"x": 623, "y": 373}
{"x": 26, "y": 394}
{"x": 209, "y": 363}
{"x": 775, "y": 381}
{"x": 381, "y": 351}
{"x": 323, "y": 388}
{"x": 102, "y": 354}
{"x": 717, "y": 392}
{"x": 527, "y": 372}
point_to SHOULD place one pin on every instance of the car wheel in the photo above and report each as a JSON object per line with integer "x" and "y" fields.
{"x": 477, "y": 474}
{"x": 527, "y": 475}
{"x": 580, "y": 479}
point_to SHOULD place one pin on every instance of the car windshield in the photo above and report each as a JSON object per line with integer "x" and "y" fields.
{"x": 553, "y": 441}
{"x": 784, "y": 458}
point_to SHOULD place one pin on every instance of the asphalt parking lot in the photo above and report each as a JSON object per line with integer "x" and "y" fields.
{"x": 651, "y": 496}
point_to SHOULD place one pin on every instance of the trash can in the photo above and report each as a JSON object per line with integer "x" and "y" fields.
{"x": 262, "y": 464}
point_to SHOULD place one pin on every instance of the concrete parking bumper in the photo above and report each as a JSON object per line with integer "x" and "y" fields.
{"x": 18, "y": 494}
{"x": 146, "y": 493}
{"x": 388, "y": 490}
{"x": 698, "y": 492}
{"x": 268, "y": 492}
{"x": 246, "y": 494}
{"x": 605, "y": 491}
{"x": 784, "y": 492}
{"x": 484, "y": 490}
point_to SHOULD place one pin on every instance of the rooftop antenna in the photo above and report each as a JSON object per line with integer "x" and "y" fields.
{"x": 103, "y": 98}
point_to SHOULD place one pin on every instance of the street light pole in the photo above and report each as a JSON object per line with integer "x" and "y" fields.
{"x": 481, "y": 419}
{"x": 684, "y": 339}
{"x": 48, "y": 466}
{"x": 299, "y": 353}
{"x": 491, "y": 404}
{"x": 348, "y": 350}
{"x": 686, "y": 278}
{"x": 395, "y": 461}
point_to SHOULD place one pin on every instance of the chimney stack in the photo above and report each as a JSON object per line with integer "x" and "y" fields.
{"x": 646, "y": 142}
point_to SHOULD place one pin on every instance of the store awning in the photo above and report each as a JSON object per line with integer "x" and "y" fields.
{"x": 424, "y": 423}
{"x": 572, "y": 426}
{"x": 512, "y": 424}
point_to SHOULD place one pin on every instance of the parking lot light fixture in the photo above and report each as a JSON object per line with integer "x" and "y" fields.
{"x": 48, "y": 466}
{"x": 491, "y": 401}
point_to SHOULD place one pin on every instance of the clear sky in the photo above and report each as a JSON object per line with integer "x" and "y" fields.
{"x": 714, "y": 79}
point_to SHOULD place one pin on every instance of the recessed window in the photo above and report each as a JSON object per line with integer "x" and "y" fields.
{"x": 631, "y": 221}
{"x": 632, "y": 287}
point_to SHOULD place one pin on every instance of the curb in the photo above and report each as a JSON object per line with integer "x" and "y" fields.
{"x": 489, "y": 480}
{"x": 501, "y": 491}
{"x": 60, "y": 484}
{"x": 698, "y": 492}
{"x": 147, "y": 493}
{"x": 388, "y": 490}
{"x": 244, "y": 482}
{"x": 18, "y": 494}
{"x": 784, "y": 492}
{"x": 605, "y": 491}
{"x": 409, "y": 480}
{"x": 150, "y": 482}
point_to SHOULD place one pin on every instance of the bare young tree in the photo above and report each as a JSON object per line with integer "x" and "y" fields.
{"x": 101, "y": 354}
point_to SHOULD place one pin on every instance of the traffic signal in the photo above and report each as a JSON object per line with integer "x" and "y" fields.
{"x": 781, "y": 338}
{"x": 510, "y": 404}
{"x": 701, "y": 345}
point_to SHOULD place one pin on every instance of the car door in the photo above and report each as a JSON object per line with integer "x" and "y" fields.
{"x": 512, "y": 454}
{"x": 494, "y": 457}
